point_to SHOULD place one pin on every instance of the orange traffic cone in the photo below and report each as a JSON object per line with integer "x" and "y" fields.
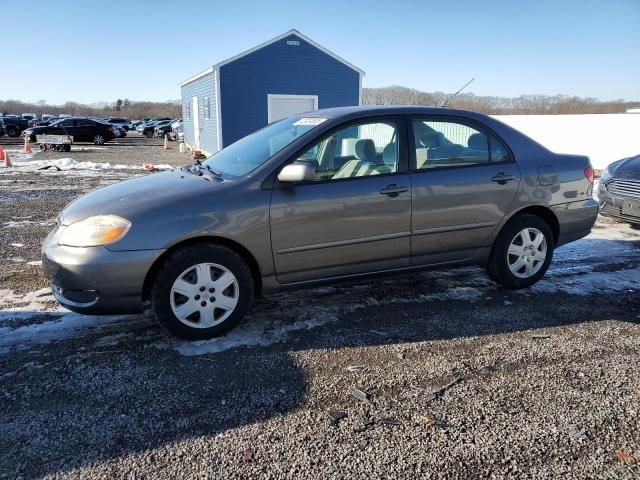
{"x": 4, "y": 157}
{"x": 27, "y": 145}
{"x": 166, "y": 141}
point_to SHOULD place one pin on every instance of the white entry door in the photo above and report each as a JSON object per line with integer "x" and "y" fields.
{"x": 282, "y": 106}
{"x": 196, "y": 122}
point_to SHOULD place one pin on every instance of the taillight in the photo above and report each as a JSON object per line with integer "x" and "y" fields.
{"x": 110, "y": 129}
{"x": 588, "y": 173}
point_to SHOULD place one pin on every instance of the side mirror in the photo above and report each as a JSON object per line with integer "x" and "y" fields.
{"x": 297, "y": 172}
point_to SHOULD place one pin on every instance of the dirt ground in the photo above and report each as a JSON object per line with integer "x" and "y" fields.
{"x": 455, "y": 377}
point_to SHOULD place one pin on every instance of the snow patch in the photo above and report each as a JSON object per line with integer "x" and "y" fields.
{"x": 70, "y": 165}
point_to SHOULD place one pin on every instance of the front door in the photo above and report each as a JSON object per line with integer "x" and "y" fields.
{"x": 464, "y": 181}
{"x": 355, "y": 216}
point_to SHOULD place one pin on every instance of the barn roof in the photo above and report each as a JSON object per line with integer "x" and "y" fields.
{"x": 269, "y": 42}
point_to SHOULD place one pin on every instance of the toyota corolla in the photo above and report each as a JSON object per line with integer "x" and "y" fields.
{"x": 332, "y": 195}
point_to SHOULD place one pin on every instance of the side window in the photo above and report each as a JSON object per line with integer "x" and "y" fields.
{"x": 355, "y": 151}
{"x": 441, "y": 144}
{"x": 206, "y": 108}
{"x": 67, "y": 123}
{"x": 498, "y": 152}
{"x": 85, "y": 123}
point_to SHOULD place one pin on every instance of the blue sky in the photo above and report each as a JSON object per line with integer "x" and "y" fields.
{"x": 88, "y": 51}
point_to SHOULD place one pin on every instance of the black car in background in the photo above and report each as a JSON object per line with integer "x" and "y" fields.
{"x": 149, "y": 129}
{"x": 163, "y": 128}
{"x": 14, "y": 125}
{"x": 81, "y": 129}
{"x": 619, "y": 190}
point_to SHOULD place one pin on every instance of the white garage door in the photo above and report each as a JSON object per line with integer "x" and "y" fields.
{"x": 281, "y": 106}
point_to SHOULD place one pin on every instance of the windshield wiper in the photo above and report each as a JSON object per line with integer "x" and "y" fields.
{"x": 199, "y": 169}
{"x": 212, "y": 171}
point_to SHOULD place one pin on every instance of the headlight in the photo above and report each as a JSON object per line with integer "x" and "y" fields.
{"x": 94, "y": 231}
{"x": 606, "y": 175}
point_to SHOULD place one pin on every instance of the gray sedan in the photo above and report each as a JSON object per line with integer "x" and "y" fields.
{"x": 333, "y": 195}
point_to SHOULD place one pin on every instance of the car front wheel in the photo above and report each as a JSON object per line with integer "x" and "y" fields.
{"x": 98, "y": 140}
{"x": 522, "y": 252}
{"x": 148, "y": 134}
{"x": 201, "y": 292}
{"x": 13, "y": 131}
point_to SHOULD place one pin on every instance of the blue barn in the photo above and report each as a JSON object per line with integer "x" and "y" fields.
{"x": 287, "y": 75}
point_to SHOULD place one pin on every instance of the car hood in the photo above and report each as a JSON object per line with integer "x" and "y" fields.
{"x": 627, "y": 168}
{"x": 132, "y": 198}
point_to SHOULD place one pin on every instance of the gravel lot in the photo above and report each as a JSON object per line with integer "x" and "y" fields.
{"x": 455, "y": 377}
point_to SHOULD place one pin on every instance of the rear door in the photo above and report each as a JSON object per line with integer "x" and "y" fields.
{"x": 464, "y": 180}
{"x": 355, "y": 216}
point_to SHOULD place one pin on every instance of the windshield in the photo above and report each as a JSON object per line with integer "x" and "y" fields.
{"x": 248, "y": 153}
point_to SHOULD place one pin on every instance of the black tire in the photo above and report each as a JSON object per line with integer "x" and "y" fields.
{"x": 160, "y": 308}
{"x": 43, "y": 147}
{"x": 148, "y": 134}
{"x": 59, "y": 148}
{"x": 99, "y": 139}
{"x": 498, "y": 266}
{"x": 12, "y": 131}
{"x": 67, "y": 147}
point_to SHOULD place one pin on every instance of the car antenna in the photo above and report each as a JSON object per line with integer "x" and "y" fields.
{"x": 444, "y": 104}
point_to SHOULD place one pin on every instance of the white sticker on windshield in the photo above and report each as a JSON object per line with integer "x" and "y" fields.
{"x": 311, "y": 121}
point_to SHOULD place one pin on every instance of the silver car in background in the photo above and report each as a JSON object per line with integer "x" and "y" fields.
{"x": 332, "y": 195}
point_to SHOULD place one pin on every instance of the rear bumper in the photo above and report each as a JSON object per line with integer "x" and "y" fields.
{"x": 95, "y": 280}
{"x": 576, "y": 219}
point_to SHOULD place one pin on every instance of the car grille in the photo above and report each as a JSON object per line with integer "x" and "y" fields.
{"x": 624, "y": 188}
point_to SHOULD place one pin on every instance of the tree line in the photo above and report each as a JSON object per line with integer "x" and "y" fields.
{"x": 522, "y": 105}
{"x": 120, "y": 108}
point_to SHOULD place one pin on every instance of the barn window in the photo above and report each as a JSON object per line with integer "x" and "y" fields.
{"x": 206, "y": 108}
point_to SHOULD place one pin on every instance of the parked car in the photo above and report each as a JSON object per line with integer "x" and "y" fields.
{"x": 177, "y": 130}
{"x": 619, "y": 190}
{"x": 14, "y": 125}
{"x": 81, "y": 129}
{"x": 149, "y": 129}
{"x": 162, "y": 128}
{"x": 2, "y": 129}
{"x": 47, "y": 116}
{"x": 340, "y": 194}
{"x": 65, "y": 115}
{"x": 121, "y": 122}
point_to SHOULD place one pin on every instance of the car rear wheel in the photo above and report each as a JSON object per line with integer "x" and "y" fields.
{"x": 522, "y": 252}
{"x": 98, "y": 139}
{"x": 13, "y": 131}
{"x": 148, "y": 134}
{"x": 201, "y": 292}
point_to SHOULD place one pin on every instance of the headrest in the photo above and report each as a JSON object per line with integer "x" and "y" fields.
{"x": 366, "y": 150}
{"x": 477, "y": 141}
{"x": 430, "y": 139}
{"x": 390, "y": 154}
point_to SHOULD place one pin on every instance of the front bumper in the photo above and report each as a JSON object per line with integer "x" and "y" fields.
{"x": 97, "y": 280}
{"x": 623, "y": 208}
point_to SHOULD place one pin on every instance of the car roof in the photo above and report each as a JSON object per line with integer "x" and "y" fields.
{"x": 370, "y": 110}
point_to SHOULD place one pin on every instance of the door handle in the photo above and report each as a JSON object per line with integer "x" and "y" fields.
{"x": 393, "y": 190}
{"x": 502, "y": 178}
